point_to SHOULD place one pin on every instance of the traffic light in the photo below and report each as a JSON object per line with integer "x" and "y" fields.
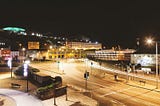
{"x": 86, "y": 75}
{"x": 91, "y": 63}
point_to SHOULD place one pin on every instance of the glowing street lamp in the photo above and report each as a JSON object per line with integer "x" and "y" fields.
{"x": 150, "y": 41}
{"x": 9, "y": 62}
{"x": 50, "y": 47}
{"x": 23, "y": 50}
{"x": 26, "y": 63}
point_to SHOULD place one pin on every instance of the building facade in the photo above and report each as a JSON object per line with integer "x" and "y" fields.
{"x": 144, "y": 59}
{"x": 73, "y": 50}
{"x": 83, "y": 45}
{"x": 112, "y": 55}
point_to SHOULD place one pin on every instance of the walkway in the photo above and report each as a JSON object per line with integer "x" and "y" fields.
{"x": 24, "y": 99}
{"x": 20, "y": 98}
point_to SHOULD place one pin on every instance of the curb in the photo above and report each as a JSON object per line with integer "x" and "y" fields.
{"x": 154, "y": 89}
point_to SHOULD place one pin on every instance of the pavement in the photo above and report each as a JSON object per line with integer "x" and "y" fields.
{"x": 25, "y": 99}
{"x": 143, "y": 85}
{"x": 19, "y": 97}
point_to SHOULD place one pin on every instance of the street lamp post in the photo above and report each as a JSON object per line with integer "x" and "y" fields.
{"x": 156, "y": 64}
{"x": 26, "y": 72}
{"x": 86, "y": 76}
{"x": 23, "y": 54}
{"x": 91, "y": 67}
{"x": 10, "y": 65}
{"x": 58, "y": 65}
{"x": 149, "y": 41}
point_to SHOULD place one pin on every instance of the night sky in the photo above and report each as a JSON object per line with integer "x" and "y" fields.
{"x": 112, "y": 22}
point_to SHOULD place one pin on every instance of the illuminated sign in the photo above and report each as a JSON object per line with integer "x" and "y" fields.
{"x": 14, "y": 29}
{"x": 5, "y": 52}
{"x": 33, "y": 45}
{"x": 9, "y": 63}
{"x": 60, "y": 91}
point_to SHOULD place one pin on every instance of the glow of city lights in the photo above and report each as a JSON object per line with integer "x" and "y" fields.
{"x": 14, "y": 29}
{"x": 27, "y": 62}
{"x": 23, "y": 49}
{"x": 9, "y": 63}
{"x": 32, "y": 34}
{"x": 149, "y": 41}
{"x": 50, "y": 47}
{"x": 25, "y": 66}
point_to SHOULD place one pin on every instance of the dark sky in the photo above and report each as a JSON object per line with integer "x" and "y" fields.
{"x": 112, "y": 22}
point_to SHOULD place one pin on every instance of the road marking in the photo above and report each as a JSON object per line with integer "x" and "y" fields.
{"x": 117, "y": 102}
{"x": 114, "y": 92}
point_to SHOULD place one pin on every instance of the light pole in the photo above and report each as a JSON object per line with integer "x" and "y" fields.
{"x": 58, "y": 64}
{"x": 91, "y": 67}
{"x": 10, "y": 65}
{"x": 86, "y": 76}
{"x": 149, "y": 41}
{"x": 23, "y": 50}
{"x": 157, "y": 64}
{"x": 50, "y": 52}
{"x": 26, "y": 63}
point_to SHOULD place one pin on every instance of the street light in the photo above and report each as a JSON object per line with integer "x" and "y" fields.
{"x": 91, "y": 66}
{"x": 50, "y": 47}
{"x": 23, "y": 50}
{"x": 150, "y": 41}
{"x": 26, "y": 63}
{"x": 9, "y": 62}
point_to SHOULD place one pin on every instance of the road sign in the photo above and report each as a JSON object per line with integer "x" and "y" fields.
{"x": 91, "y": 63}
{"x": 60, "y": 91}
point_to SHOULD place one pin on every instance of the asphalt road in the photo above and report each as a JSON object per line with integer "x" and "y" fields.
{"x": 100, "y": 86}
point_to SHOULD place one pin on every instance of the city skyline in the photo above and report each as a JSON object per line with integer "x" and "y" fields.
{"x": 112, "y": 23}
{"x": 79, "y": 53}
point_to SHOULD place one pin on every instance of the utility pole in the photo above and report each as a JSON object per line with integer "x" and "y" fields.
{"x": 86, "y": 76}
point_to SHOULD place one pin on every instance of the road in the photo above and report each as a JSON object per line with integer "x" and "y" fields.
{"x": 100, "y": 86}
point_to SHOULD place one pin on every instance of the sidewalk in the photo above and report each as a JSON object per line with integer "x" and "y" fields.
{"x": 143, "y": 85}
{"x": 21, "y": 98}
{"x": 24, "y": 99}
{"x": 74, "y": 99}
{"x": 139, "y": 84}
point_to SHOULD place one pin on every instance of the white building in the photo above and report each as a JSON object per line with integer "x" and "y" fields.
{"x": 144, "y": 59}
{"x": 112, "y": 55}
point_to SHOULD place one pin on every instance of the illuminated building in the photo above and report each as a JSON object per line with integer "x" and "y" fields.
{"x": 84, "y": 45}
{"x": 73, "y": 50}
{"x": 112, "y": 55}
{"x": 144, "y": 59}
